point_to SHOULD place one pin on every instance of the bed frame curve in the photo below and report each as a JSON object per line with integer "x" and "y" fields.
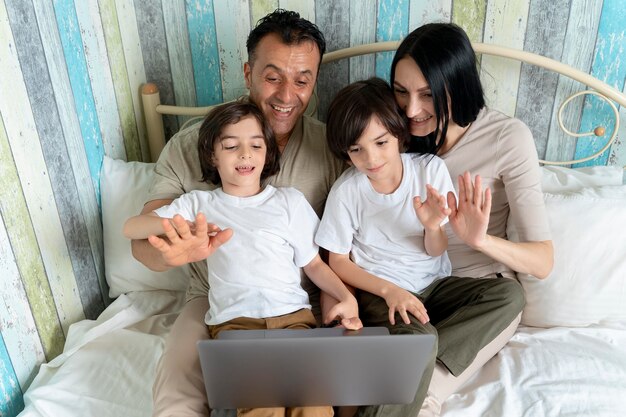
{"x": 154, "y": 110}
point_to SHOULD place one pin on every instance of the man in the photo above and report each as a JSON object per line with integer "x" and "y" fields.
{"x": 284, "y": 55}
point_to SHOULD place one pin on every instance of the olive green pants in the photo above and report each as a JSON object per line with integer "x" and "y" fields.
{"x": 465, "y": 315}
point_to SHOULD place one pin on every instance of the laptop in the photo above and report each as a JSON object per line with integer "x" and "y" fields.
{"x": 313, "y": 367}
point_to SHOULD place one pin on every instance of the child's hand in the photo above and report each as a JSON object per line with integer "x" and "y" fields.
{"x": 403, "y": 302}
{"x": 432, "y": 211}
{"x": 185, "y": 244}
{"x": 348, "y": 312}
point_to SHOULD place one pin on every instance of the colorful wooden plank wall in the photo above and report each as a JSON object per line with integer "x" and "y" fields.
{"x": 70, "y": 73}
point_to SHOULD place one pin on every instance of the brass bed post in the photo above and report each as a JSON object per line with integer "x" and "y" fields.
{"x": 154, "y": 120}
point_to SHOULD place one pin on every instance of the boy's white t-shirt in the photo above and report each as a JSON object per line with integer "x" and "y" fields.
{"x": 256, "y": 273}
{"x": 381, "y": 231}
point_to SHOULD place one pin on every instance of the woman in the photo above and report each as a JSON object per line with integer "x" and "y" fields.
{"x": 437, "y": 86}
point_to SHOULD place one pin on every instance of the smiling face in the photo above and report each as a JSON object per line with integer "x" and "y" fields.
{"x": 377, "y": 154}
{"x": 281, "y": 79}
{"x": 239, "y": 156}
{"x": 414, "y": 97}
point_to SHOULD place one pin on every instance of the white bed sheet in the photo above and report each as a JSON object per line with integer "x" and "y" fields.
{"x": 562, "y": 372}
{"x": 108, "y": 366}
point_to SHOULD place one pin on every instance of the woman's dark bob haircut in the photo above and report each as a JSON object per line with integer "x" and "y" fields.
{"x": 210, "y": 135}
{"x": 444, "y": 54}
{"x": 352, "y": 110}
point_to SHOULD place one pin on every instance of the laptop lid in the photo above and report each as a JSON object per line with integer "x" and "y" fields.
{"x": 286, "y": 368}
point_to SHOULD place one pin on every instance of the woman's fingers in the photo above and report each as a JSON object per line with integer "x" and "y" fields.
{"x": 478, "y": 193}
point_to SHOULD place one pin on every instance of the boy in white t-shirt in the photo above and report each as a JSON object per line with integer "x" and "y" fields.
{"x": 267, "y": 233}
{"x": 384, "y": 217}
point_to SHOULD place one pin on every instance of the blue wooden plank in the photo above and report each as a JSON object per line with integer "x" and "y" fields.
{"x": 204, "y": 53}
{"x": 610, "y": 67}
{"x": 392, "y": 25}
{"x": 69, "y": 32}
{"x": 48, "y": 124}
{"x": 11, "y": 402}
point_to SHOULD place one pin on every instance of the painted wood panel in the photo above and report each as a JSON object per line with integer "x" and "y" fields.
{"x": 70, "y": 124}
{"x": 204, "y": 53}
{"x": 362, "y": 31}
{"x": 232, "y": 27}
{"x": 10, "y": 392}
{"x": 421, "y": 12}
{"x": 332, "y": 17}
{"x": 505, "y": 24}
{"x": 537, "y": 86}
{"x": 135, "y": 41}
{"x": 83, "y": 282}
{"x": 470, "y": 15}
{"x": 578, "y": 47}
{"x": 81, "y": 88}
{"x": 618, "y": 150}
{"x": 609, "y": 66}
{"x": 155, "y": 55}
{"x": 16, "y": 321}
{"x": 135, "y": 71}
{"x": 99, "y": 71}
{"x": 392, "y": 24}
{"x": 117, "y": 62}
{"x": 260, "y": 8}
{"x": 306, "y": 8}
{"x": 175, "y": 18}
{"x": 37, "y": 201}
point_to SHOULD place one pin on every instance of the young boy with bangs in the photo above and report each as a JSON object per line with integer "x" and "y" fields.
{"x": 258, "y": 239}
{"x": 383, "y": 224}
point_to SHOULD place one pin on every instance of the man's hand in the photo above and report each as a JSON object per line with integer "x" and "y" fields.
{"x": 185, "y": 244}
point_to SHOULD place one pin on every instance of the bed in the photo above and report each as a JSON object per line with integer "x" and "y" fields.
{"x": 568, "y": 357}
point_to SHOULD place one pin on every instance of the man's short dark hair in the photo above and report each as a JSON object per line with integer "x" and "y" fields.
{"x": 291, "y": 28}
{"x": 211, "y": 132}
{"x": 352, "y": 110}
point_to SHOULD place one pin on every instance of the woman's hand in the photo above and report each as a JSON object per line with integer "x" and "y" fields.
{"x": 185, "y": 244}
{"x": 403, "y": 302}
{"x": 470, "y": 219}
{"x": 433, "y": 211}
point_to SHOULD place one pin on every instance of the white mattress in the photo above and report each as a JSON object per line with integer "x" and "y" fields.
{"x": 108, "y": 366}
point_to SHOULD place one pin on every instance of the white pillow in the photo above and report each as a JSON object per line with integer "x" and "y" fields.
{"x": 124, "y": 187}
{"x": 588, "y": 282}
{"x": 556, "y": 179}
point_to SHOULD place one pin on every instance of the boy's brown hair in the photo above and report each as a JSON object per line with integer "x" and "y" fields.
{"x": 352, "y": 109}
{"x": 211, "y": 131}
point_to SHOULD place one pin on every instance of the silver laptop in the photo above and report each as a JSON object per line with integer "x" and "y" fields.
{"x": 286, "y": 368}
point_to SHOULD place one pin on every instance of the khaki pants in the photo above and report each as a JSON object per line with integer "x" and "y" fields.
{"x": 178, "y": 394}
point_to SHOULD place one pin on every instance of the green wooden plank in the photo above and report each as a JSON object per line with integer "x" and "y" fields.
{"x": 117, "y": 63}
{"x": 135, "y": 71}
{"x": 21, "y": 234}
{"x": 470, "y": 15}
